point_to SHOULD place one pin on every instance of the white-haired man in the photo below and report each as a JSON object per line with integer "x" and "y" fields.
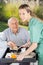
{"x": 15, "y": 35}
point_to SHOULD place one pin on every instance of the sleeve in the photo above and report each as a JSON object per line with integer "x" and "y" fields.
{"x": 3, "y": 36}
{"x": 3, "y": 44}
{"x": 36, "y": 33}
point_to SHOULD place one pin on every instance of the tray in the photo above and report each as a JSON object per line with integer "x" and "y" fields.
{"x": 30, "y": 58}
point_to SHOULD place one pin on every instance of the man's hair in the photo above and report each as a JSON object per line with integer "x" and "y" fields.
{"x": 12, "y": 18}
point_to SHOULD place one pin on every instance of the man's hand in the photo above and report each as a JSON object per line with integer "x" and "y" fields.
{"x": 12, "y": 45}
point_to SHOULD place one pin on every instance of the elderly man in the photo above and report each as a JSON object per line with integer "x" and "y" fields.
{"x": 14, "y": 35}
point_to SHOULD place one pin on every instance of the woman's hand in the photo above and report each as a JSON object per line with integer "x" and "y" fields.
{"x": 20, "y": 57}
{"x": 26, "y": 45}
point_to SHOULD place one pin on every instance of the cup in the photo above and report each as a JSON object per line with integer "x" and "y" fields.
{"x": 23, "y": 50}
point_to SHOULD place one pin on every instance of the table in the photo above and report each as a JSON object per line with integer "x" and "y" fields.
{"x": 10, "y": 60}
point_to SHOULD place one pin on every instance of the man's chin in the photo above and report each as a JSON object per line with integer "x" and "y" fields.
{"x": 15, "y": 30}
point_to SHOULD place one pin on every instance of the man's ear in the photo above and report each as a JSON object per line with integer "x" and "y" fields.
{"x": 8, "y": 25}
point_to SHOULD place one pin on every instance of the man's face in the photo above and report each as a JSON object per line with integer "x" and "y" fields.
{"x": 14, "y": 25}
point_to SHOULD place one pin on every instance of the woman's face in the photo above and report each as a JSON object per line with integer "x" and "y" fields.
{"x": 23, "y": 14}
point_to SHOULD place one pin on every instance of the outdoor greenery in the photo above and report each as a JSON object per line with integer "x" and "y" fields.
{"x": 38, "y": 10}
{"x": 3, "y": 26}
{"x": 9, "y": 10}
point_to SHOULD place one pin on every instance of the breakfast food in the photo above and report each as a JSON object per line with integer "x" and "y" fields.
{"x": 13, "y": 55}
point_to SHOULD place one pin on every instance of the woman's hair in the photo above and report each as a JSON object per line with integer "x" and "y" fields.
{"x": 27, "y": 7}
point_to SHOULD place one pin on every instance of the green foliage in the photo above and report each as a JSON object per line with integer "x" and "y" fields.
{"x": 3, "y": 26}
{"x": 7, "y": 11}
{"x": 10, "y": 10}
{"x": 38, "y": 10}
{"x": 1, "y": 11}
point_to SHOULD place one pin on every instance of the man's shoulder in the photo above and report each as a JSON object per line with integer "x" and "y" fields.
{"x": 6, "y": 30}
{"x": 23, "y": 29}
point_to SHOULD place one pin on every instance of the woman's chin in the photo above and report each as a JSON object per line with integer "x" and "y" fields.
{"x": 23, "y": 20}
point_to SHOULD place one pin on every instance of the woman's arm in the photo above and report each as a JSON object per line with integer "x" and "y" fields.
{"x": 26, "y": 45}
{"x": 31, "y": 48}
{"x": 28, "y": 51}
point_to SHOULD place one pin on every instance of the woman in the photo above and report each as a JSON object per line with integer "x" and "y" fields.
{"x": 36, "y": 33}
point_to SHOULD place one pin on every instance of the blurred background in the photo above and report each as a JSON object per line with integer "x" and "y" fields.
{"x": 9, "y": 8}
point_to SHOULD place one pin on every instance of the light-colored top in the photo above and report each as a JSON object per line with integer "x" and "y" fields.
{"x": 20, "y": 38}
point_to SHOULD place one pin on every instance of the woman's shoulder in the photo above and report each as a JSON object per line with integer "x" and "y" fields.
{"x": 37, "y": 21}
